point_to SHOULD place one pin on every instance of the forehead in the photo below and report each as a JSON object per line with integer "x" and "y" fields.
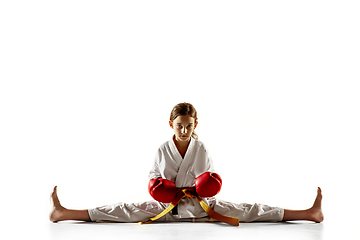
{"x": 184, "y": 119}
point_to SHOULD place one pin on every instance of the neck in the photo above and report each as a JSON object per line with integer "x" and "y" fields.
{"x": 181, "y": 144}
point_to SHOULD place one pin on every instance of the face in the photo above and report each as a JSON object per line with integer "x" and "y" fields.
{"x": 183, "y": 127}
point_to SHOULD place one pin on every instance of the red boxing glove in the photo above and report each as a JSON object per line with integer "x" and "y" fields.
{"x": 162, "y": 190}
{"x": 208, "y": 184}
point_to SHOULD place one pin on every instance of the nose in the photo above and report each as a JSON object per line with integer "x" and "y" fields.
{"x": 183, "y": 130}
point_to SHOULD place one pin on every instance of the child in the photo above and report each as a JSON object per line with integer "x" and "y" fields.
{"x": 183, "y": 162}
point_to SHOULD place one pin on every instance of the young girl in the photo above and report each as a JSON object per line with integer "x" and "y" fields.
{"x": 184, "y": 162}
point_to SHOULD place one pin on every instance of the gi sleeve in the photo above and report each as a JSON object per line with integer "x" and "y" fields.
{"x": 155, "y": 170}
{"x": 209, "y": 162}
{"x": 203, "y": 162}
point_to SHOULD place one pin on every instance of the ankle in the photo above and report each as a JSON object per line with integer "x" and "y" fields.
{"x": 58, "y": 214}
{"x": 315, "y": 215}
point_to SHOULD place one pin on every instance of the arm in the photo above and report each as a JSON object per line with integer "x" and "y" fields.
{"x": 208, "y": 183}
{"x": 161, "y": 189}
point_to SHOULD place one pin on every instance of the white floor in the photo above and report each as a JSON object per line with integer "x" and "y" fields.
{"x": 77, "y": 230}
{"x": 24, "y": 215}
{"x": 188, "y": 230}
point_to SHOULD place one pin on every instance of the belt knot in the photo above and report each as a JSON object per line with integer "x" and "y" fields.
{"x": 190, "y": 192}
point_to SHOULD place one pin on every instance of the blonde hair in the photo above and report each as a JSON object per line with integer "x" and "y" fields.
{"x": 183, "y": 109}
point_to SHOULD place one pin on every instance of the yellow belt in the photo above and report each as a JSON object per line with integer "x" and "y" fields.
{"x": 191, "y": 194}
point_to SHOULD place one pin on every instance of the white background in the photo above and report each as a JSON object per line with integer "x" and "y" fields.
{"x": 87, "y": 88}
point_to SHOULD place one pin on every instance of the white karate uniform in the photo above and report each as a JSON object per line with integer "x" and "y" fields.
{"x": 170, "y": 165}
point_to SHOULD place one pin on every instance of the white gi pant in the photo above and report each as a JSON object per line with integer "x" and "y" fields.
{"x": 141, "y": 212}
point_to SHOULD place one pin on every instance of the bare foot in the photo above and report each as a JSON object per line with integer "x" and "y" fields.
{"x": 57, "y": 210}
{"x": 315, "y": 212}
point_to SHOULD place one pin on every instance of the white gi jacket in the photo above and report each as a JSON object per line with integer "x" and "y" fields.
{"x": 170, "y": 165}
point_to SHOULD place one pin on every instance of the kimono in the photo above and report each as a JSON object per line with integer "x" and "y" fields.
{"x": 169, "y": 164}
